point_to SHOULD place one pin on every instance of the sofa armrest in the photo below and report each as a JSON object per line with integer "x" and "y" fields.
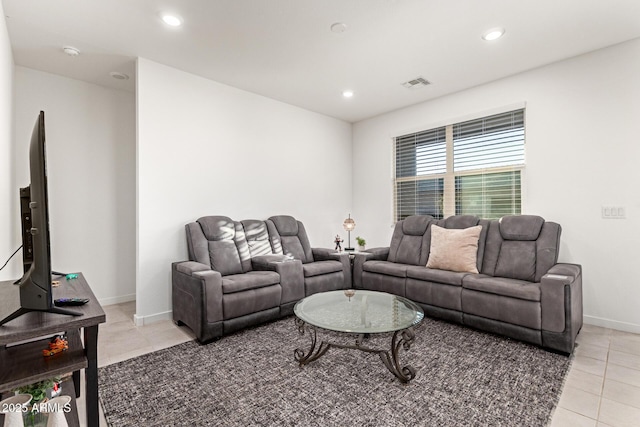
{"x": 290, "y": 271}
{"x": 324, "y": 254}
{"x": 196, "y": 289}
{"x": 268, "y": 262}
{"x": 190, "y": 267}
{"x": 380, "y": 254}
{"x": 362, "y": 257}
{"x": 561, "y": 298}
{"x": 291, "y": 280}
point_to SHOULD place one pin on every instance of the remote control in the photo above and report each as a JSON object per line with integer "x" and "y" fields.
{"x": 70, "y": 301}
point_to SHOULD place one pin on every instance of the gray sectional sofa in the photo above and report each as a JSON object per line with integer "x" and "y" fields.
{"x": 516, "y": 287}
{"x": 241, "y": 273}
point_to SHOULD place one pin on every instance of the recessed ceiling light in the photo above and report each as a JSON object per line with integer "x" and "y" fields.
{"x": 338, "y": 27}
{"x": 171, "y": 20}
{"x": 493, "y": 34}
{"x": 119, "y": 76}
{"x": 347, "y": 93}
{"x": 71, "y": 51}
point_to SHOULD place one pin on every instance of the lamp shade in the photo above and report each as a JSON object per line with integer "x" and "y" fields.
{"x": 349, "y": 224}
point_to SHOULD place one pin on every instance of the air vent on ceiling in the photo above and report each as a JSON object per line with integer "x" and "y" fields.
{"x": 416, "y": 83}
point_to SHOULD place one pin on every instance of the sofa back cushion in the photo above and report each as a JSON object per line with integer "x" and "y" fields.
{"x": 458, "y": 222}
{"x": 410, "y": 241}
{"x": 521, "y": 247}
{"x": 289, "y": 237}
{"x": 257, "y": 237}
{"x": 454, "y": 249}
{"x": 219, "y": 242}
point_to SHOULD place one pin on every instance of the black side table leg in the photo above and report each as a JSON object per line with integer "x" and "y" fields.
{"x": 91, "y": 375}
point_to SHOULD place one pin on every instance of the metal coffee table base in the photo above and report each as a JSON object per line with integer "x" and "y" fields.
{"x": 401, "y": 339}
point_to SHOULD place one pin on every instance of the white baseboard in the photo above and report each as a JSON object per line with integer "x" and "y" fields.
{"x": 117, "y": 300}
{"x": 612, "y": 324}
{"x": 152, "y": 318}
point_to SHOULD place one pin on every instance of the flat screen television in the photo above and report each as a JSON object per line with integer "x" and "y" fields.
{"x": 35, "y": 285}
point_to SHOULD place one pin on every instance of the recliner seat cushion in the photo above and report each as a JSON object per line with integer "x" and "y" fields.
{"x": 251, "y": 280}
{"x": 387, "y": 268}
{"x": 437, "y": 276}
{"x": 502, "y": 286}
{"x": 321, "y": 267}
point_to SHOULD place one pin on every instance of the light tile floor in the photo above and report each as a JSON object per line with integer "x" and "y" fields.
{"x": 602, "y": 388}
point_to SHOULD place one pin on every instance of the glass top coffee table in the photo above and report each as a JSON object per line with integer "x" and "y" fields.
{"x": 361, "y": 313}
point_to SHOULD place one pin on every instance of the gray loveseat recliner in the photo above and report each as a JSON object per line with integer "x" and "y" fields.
{"x": 520, "y": 290}
{"x": 242, "y": 273}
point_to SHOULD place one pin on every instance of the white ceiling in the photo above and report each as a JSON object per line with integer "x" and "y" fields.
{"x": 285, "y": 50}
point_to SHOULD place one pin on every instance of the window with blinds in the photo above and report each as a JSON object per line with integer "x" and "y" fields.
{"x": 482, "y": 177}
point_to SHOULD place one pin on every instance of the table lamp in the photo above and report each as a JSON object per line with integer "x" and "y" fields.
{"x": 349, "y": 224}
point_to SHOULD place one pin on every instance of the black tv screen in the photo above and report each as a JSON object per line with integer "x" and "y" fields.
{"x": 35, "y": 285}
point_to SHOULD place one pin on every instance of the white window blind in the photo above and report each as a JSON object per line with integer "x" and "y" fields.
{"x": 489, "y": 142}
{"x": 419, "y": 157}
{"x": 482, "y": 178}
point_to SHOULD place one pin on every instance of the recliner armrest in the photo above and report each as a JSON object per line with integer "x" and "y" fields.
{"x": 190, "y": 267}
{"x": 325, "y": 254}
{"x": 290, "y": 271}
{"x": 552, "y": 297}
{"x": 268, "y": 262}
{"x": 196, "y": 283}
{"x": 380, "y": 254}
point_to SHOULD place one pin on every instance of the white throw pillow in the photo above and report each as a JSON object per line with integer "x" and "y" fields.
{"x": 454, "y": 249}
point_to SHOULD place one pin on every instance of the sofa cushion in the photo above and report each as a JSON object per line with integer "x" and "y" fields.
{"x": 217, "y": 227}
{"x": 321, "y": 267}
{"x": 286, "y": 225}
{"x": 257, "y": 236}
{"x": 410, "y": 240}
{"x": 387, "y": 268}
{"x": 251, "y": 280}
{"x": 517, "y": 260}
{"x": 521, "y": 227}
{"x": 454, "y": 249}
{"x": 436, "y": 276}
{"x": 502, "y": 286}
{"x": 288, "y": 236}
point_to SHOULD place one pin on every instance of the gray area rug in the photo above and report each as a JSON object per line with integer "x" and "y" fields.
{"x": 464, "y": 378}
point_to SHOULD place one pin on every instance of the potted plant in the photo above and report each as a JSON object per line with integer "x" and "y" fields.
{"x": 361, "y": 242}
{"x": 41, "y": 391}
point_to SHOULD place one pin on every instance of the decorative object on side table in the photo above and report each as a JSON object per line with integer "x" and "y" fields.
{"x": 13, "y": 408}
{"x": 57, "y": 344}
{"x": 361, "y": 242}
{"x": 338, "y": 241}
{"x": 41, "y": 392}
{"x": 56, "y": 408}
{"x": 349, "y": 224}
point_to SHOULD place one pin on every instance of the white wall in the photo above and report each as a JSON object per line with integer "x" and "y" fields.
{"x": 204, "y": 148}
{"x": 8, "y": 192}
{"x": 582, "y": 127}
{"x": 90, "y": 134}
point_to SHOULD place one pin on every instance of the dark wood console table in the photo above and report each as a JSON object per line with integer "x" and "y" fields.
{"x": 23, "y": 364}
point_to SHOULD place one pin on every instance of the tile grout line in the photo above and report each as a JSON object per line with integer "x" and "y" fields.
{"x": 604, "y": 379}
